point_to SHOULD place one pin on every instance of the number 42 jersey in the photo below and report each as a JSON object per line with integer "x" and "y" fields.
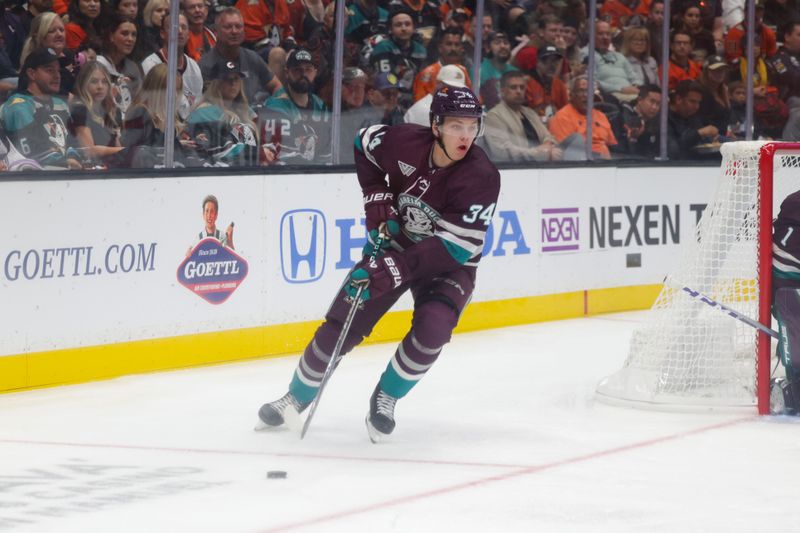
{"x": 447, "y": 210}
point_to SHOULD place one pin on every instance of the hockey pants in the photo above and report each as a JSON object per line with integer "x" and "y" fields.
{"x": 438, "y": 303}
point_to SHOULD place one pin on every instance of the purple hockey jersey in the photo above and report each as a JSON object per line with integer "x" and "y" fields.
{"x": 454, "y": 204}
{"x": 786, "y": 239}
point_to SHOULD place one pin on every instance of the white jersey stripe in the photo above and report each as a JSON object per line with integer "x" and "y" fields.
{"x": 460, "y": 231}
{"x": 366, "y": 138}
{"x": 782, "y": 264}
{"x": 322, "y": 356}
{"x": 783, "y": 254}
{"x": 308, "y": 370}
{"x": 305, "y": 380}
{"x": 424, "y": 349}
{"x": 416, "y": 367}
{"x": 461, "y": 243}
{"x": 402, "y": 373}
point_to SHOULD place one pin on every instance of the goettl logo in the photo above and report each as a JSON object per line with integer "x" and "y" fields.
{"x": 212, "y": 271}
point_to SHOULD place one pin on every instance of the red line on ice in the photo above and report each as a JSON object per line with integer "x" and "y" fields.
{"x": 503, "y": 477}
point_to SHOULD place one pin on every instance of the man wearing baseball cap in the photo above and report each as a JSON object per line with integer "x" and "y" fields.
{"x": 230, "y": 36}
{"x": 355, "y": 114}
{"x": 383, "y": 98}
{"x": 546, "y": 93}
{"x": 35, "y": 121}
{"x": 451, "y": 75}
{"x": 296, "y": 120}
{"x": 495, "y": 64}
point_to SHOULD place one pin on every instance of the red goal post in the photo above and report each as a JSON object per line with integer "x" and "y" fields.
{"x": 766, "y": 165}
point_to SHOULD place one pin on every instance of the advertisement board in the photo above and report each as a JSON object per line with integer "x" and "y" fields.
{"x": 95, "y": 262}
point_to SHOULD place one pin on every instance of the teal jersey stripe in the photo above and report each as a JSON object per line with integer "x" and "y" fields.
{"x": 785, "y": 275}
{"x": 357, "y": 141}
{"x": 459, "y": 254}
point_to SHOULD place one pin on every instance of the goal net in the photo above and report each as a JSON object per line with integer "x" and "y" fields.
{"x": 687, "y": 353}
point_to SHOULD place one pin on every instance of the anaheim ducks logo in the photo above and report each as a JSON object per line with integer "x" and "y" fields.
{"x": 242, "y": 133}
{"x": 417, "y": 222}
{"x": 418, "y": 217}
{"x": 56, "y": 132}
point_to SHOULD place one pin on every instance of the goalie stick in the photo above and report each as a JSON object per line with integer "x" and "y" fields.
{"x": 697, "y": 295}
{"x": 340, "y": 341}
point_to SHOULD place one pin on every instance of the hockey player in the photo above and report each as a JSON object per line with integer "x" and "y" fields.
{"x": 786, "y": 304}
{"x": 436, "y": 205}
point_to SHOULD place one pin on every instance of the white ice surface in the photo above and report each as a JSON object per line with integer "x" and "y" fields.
{"x": 503, "y": 434}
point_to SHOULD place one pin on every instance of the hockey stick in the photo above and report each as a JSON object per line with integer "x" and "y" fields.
{"x": 340, "y": 341}
{"x": 727, "y": 310}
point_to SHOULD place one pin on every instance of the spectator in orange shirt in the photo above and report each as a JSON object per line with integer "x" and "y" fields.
{"x": 619, "y": 12}
{"x": 262, "y": 21}
{"x": 545, "y": 92}
{"x": 82, "y": 31}
{"x": 201, "y": 38}
{"x": 451, "y": 52}
{"x": 571, "y": 121}
{"x": 451, "y": 5}
{"x": 681, "y": 67}
{"x": 733, "y": 40}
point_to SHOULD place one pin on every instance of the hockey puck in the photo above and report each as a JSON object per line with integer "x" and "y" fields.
{"x": 276, "y": 474}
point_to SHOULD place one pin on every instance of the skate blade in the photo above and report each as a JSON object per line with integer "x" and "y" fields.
{"x": 374, "y": 435}
{"x": 261, "y": 426}
{"x": 292, "y": 419}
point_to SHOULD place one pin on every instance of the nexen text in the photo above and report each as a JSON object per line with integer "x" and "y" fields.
{"x": 48, "y": 263}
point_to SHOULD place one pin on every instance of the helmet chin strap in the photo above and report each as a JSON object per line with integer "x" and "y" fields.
{"x": 440, "y": 142}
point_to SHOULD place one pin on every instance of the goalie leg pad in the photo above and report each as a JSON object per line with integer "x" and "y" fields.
{"x": 784, "y": 397}
{"x": 786, "y": 309}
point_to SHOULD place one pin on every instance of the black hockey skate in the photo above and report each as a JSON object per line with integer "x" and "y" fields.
{"x": 284, "y": 410}
{"x": 784, "y": 396}
{"x": 380, "y": 419}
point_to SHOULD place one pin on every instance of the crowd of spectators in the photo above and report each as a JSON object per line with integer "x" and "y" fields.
{"x": 83, "y": 82}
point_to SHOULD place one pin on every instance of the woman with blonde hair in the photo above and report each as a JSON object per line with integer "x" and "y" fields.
{"x": 47, "y": 31}
{"x": 95, "y": 120}
{"x": 222, "y": 123}
{"x": 636, "y": 49}
{"x": 149, "y": 40}
{"x": 146, "y": 119}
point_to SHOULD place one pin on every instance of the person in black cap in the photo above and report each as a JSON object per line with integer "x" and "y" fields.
{"x": 493, "y": 66}
{"x": 294, "y": 119}
{"x": 222, "y": 124}
{"x": 546, "y": 93}
{"x": 34, "y": 120}
{"x": 383, "y": 95}
{"x": 715, "y": 107}
{"x": 230, "y": 36}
